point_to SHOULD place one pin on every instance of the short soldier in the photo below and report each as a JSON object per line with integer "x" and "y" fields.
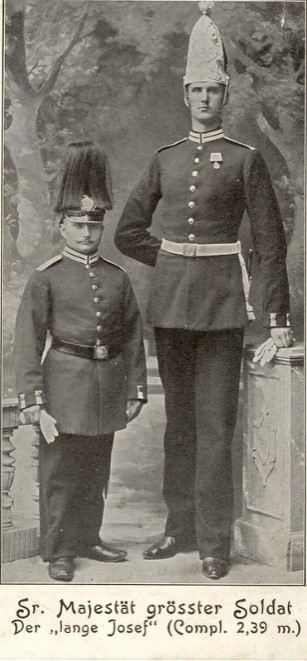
{"x": 93, "y": 378}
{"x": 199, "y": 297}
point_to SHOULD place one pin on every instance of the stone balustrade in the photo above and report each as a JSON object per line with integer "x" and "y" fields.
{"x": 19, "y": 539}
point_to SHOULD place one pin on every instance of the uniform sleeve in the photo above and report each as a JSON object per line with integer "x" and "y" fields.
{"x": 133, "y": 351}
{"x": 269, "y": 241}
{"x": 30, "y": 337}
{"x": 132, "y": 237}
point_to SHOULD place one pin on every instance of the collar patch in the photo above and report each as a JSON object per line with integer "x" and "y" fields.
{"x": 201, "y": 138}
{"x": 79, "y": 257}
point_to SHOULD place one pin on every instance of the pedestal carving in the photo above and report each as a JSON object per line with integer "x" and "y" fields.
{"x": 264, "y": 445}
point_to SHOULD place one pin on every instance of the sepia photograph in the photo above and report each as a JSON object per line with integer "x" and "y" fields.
{"x": 153, "y": 429}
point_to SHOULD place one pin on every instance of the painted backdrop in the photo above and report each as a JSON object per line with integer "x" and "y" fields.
{"x": 112, "y": 72}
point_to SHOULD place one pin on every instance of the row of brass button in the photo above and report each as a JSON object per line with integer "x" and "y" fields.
{"x": 96, "y": 299}
{"x": 191, "y": 203}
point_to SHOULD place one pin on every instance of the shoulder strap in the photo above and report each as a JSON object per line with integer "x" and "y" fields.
{"x": 236, "y": 142}
{"x": 51, "y": 261}
{"x": 108, "y": 261}
{"x": 172, "y": 145}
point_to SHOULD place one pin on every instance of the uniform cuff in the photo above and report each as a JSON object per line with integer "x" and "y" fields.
{"x": 138, "y": 392}
{"x": 278, "y": 320}
{"x": 26, "y": 399}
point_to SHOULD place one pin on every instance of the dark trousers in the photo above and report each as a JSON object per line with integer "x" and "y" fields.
{"x": 73, "y": 473}
{"x": 200, "y": 373}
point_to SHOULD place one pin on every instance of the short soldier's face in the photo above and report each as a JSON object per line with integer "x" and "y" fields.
{"x": 83, "y": 237}
{"x": 206, "y": 102}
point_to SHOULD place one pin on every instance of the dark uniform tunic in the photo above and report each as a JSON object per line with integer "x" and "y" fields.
{"x": 198, "y": 308}
{"x": 86, "y": 301}
{"x": 205, "y": 204}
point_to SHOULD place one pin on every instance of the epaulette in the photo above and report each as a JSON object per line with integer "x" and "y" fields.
{"x": 172, "y": 145}
{"x": 113, "y": 264}
{"x": 236, "y": 142}
{"x": 51, "y": 261}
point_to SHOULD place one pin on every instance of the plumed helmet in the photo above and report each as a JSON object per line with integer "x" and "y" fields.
{"x": 85, "y": 188}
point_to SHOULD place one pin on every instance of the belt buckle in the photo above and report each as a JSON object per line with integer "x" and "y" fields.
{"x": 101, "y": 352}
{"x": 189, "y": 249}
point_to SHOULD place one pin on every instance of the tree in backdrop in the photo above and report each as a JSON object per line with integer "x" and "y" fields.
{"x": 113, "y": 71}
{"x": 266, "y": 47}
{"x": 32, "y": 69}
{"x": 61, "y": 64}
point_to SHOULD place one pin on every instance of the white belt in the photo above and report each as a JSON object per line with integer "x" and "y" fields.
{"x": 201, "y": 249}
{"x": 213, "y": 250}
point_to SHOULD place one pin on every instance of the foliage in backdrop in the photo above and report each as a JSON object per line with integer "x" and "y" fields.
{"x": 112, "y": 71}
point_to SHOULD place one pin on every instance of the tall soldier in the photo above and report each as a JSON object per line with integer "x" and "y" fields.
{"x": 198, "y": 301}
{"x": 93, "y": 379}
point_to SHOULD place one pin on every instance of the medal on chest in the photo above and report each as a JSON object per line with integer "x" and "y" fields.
{"x": 216, "y": 158}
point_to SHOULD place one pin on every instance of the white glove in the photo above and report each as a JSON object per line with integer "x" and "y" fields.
{"x": 30, "y": 415}
{"x": 266, "y": 352}
{"x": 47, "y": 425}
{"x": 133, "y": 408}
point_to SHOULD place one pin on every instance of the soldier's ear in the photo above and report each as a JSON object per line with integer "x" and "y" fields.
{"x": 62, "y": 228}
{"x": 186, "y": 95}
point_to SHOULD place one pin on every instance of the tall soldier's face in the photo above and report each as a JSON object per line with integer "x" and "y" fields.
{"x": 206, "y": 101}
{"x": 83, "y": 237}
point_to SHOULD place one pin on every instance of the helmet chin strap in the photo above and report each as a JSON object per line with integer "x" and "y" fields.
{"x": 225, "y": 98}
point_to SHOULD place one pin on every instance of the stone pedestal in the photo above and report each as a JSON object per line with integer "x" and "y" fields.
{"x": 270, "y": 530}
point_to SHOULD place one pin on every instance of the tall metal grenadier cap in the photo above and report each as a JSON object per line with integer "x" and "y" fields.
{"x": 207, "y": 59}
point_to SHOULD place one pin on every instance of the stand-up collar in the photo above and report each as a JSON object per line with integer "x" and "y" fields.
{"x": 206, "y": 137}
{"x": 79, "y": 257}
